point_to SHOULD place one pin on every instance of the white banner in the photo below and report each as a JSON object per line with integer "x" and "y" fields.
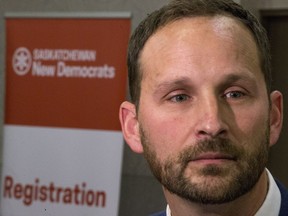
{"x": 60, "y": 171}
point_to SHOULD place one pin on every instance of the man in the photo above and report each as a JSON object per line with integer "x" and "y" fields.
{"x": 202, "y": 110}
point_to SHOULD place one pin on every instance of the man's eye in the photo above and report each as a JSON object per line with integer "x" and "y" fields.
{"x": 179, "y": 98}
{"x": 234, "y": 94}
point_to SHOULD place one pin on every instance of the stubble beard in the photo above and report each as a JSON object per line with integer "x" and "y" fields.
{"x": 219, "y": 184}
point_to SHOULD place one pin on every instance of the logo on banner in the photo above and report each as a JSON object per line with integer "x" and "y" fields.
{"x": 22, "y": 61}
{"x": 65, "y": 63}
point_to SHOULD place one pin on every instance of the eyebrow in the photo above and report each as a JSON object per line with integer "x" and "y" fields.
{"x": 231, "y": 78}
{"x": 174, "y": 83}
{"x": 186, "y": 83}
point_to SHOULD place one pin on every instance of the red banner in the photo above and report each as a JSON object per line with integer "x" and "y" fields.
{"x": 65, "y": 80}
{"x": 66, "y": 72}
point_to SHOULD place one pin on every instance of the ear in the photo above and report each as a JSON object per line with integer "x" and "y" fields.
{"x": 130, "y": 126}
{"x": 276, "y": 116}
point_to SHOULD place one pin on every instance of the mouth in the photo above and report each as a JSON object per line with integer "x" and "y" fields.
{"x": 213, "y": 158}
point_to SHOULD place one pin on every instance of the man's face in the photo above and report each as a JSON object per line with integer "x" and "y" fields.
{"x": 204, "y": 111}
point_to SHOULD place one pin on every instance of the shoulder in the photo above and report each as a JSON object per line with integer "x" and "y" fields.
{"x": 283, "y": 191}
{"x": 163, "y": 213}
{"x": 284, "y": 199}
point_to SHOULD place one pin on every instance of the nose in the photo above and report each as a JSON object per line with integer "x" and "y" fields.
{"x": 211, "y": 119}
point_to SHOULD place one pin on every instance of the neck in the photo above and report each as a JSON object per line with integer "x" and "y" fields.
{"x": 252, "y": 201}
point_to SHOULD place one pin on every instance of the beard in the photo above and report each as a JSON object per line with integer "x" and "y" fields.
{"x": 211, "y": 183}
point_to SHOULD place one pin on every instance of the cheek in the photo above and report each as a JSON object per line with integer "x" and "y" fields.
{"x": 251, "y": 125}
{"x": 164, "y": 135}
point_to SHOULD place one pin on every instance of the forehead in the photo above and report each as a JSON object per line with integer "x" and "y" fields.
{"x": 220, "y": 25}
{"x": 200, "y": 34}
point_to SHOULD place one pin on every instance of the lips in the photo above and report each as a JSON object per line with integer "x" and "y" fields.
{"x": 213, "y": 156}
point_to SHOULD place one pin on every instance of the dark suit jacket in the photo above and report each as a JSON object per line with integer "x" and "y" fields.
{"x": 284, "y": 199}
{"x": 283, "y": 208}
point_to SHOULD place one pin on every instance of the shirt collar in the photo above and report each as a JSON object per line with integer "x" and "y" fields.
{"x": 272, "y": 202}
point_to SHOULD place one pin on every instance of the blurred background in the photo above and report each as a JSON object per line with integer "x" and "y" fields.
{"x": 140, "y": 192}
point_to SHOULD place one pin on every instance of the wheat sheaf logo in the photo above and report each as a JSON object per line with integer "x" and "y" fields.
{"x": 21, "y": 61}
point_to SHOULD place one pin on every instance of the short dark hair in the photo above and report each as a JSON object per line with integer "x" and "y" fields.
{"x": 178, "y": 9}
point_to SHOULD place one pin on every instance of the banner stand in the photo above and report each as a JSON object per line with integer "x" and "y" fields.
{"x": 65, "y": 80}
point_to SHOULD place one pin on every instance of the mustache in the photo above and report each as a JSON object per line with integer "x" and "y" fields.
{"x": 215, "y": 145}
